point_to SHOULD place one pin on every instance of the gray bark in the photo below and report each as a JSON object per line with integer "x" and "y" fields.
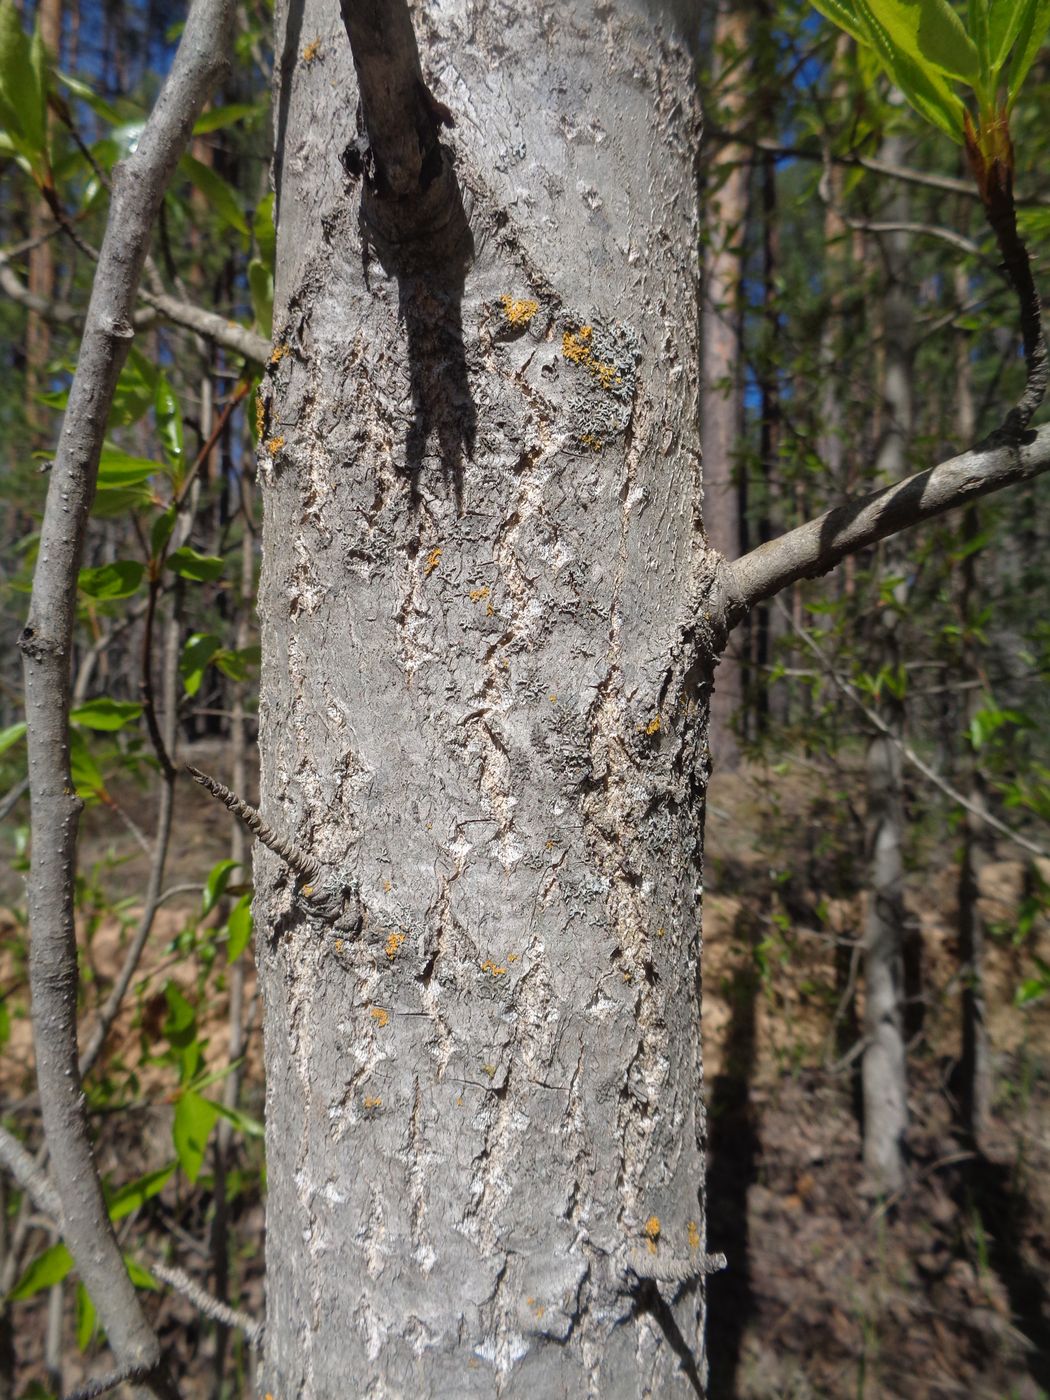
{"x": 884, "y": 1066}
{"x": 482, "y": 708}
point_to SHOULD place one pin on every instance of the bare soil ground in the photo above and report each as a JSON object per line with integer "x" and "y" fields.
{"x": 829, "y": 1292}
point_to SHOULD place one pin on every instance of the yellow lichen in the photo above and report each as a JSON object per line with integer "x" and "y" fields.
{"x": 371, "y": 1102}
{"x": 380, "y": 1016}
{"x": 476, "y": 594}
{"x": 489, "y": 966}
{"x": 693, "y": 1235}
{"x": 433, "y": 560}
{"x": 518, "y": 313}
{"x": 490, "y": 611}
{"x": 660, "y": 932}
{"x": 512, "y": 957}
{"x": 653, "y": 727}
{"x": 490, "y": 1070}
{"x": 576, "y": 345}
{"x": 652, "y": 1232}
{"x": 260, "y": 415}
{"x": 278, "y": 353}
{"x": 591, "y": 440}
{"x": 387, "y": 887}
{"x": 609, "y": 377}
{"x": 311, "y": 51}
{"x": 274, "y": 445}
{"x": 553, "y": 697}
{"x": 338, "y": 945}
{"x": 393, "y": 943}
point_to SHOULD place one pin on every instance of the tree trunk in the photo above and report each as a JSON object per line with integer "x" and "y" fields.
{"x": 483, "y": 711}
{"x": 884, "y": 1068}
{"x": 721, "y": 368}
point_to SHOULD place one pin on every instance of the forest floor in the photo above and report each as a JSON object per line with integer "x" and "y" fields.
{"x": 941, "y": 1291}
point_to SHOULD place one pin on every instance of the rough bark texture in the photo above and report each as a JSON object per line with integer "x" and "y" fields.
{"x": 487, "y": 643}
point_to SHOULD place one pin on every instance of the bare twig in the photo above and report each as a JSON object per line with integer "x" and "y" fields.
{"x": 816, "y": 547}
{"x": 32, "y": 1178}
{"x": 906, "y": 751}
{"x": 91, "y": 1390}
{"x": 46, "y": 644}
{"x": 209, "y": 1306}
{"x": 305, "y": 865}
{"x": 951, "y": 184}
{"x": 36, "y": 1183}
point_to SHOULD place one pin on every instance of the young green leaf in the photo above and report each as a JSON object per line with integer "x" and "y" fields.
{"x": 187, "y": 563}
{"x": 219, "y": 193}
{"x": 194, "y": 1119}
{"x": 110, "y": 581}
{"x": 168, "y": 414}
{"x": 11, "y": 735}
{"x": 196, "y": 656}
{"x": 1031, "y": 35}
{"x": 260, "y": 284}
{"x": 239, "y": 928}
{"x": 927, "y": 31}
{"x": 218, "y": 879}
{"x": 50, "y": 1267}
{"x": 136, "y": 1193}
{"x": 105, "y": 714}
{"x": 87, "y": 1318}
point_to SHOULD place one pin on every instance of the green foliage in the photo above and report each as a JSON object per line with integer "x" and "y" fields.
{"x": 925, "y": 47}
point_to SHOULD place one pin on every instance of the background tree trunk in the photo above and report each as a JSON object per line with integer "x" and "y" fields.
{"x": 884, "y": 1066}
{"x": 722, "y": 365}
{"x": 483, "y": 699}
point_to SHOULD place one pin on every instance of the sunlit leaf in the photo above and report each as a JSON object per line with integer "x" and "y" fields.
{"x": 50, "y": 1267}
{"x": 87, "y": 1318}
{"x": 202, "y": 568}
{"x": 194, "y": 1119}
{"x": 1031, "y": 35}
{"x": 106, "y": 714}
{"x": 136, "y": 1193}
{"x": 168, "y": 414}
{"x": 239, "y": 928}
{"x": 218, "y": 879}
{"x": 86, "y": 774}
{"x": 11, "y": 735}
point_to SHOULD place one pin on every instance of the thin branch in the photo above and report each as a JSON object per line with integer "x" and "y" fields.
{"x": 814, "y": 548}
{"x": 32, "y": 1177}
{"x": 229, "y": 334}
{"x": 305, "y": 865}
{"x": 46, "y": 644}
{"x": 91, "y": 1390}
{"x": 209, "y": 1306}
{"x": 946, "y": 235}
{"x": 931, "y": 774}
{"x": 36, "y": 1183}
{"x": 907, "y": 174}
{"x": 218, "y": 329}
